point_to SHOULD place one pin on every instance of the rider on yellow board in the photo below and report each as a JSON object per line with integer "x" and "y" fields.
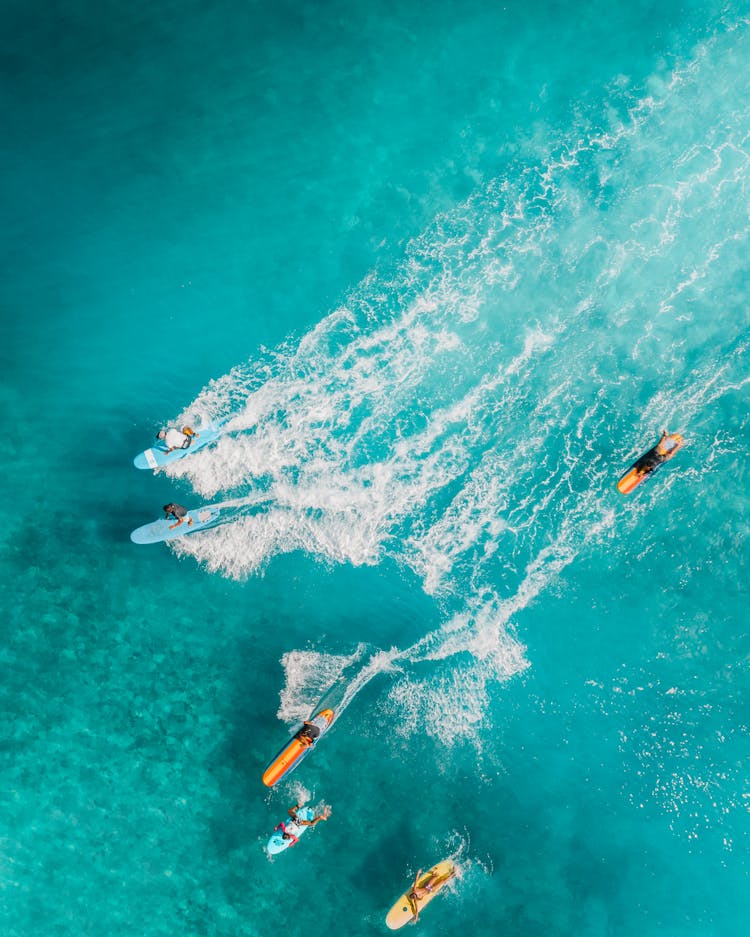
{"x": 418, "y": 891}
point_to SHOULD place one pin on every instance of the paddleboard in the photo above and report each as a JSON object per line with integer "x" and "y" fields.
{"x": 277, "y": 843}
{"x": 297, "y": 748}
{"x": 157, "y": 456}
{"x": 159, "y": 530}
{"x": 636, "y": 473}
{"x": 407, "y": 907}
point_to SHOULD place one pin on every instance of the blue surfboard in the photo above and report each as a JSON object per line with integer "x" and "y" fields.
{"x": 157, "y": 456}
{"x": 159, "y": 530}
{"x": 277, "y": 843}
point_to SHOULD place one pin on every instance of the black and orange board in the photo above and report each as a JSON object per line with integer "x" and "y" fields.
{"x": 648, "y": 463}
{"x": 299, "y": 746}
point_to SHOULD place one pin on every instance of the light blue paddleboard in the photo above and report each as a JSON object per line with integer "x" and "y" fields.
{"x": 159, "y": 530}
{"x": 277, "y": 843}
{"x": 157, "y": 456}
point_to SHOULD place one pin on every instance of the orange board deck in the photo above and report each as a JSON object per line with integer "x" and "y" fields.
{"x": 296, "y": 749}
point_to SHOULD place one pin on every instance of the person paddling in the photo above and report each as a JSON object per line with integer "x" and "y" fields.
{"x": 286, "y": 833}
{"x": 178, "y": 512}
{"x": 663, "y": 450}
{"x": 324, "y": 815}
{"x": 286, "y": 830}
{"x": 427, "y": 887}
{"x": 309, "y": 733}
{"x": 177, "y": 438}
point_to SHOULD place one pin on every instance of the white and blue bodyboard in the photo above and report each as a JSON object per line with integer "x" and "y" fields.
{"x": 277, "y": 843}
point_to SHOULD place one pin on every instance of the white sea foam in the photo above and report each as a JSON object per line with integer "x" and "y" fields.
{"x": 307, "y": 676}
{"x": 459, "y": 413}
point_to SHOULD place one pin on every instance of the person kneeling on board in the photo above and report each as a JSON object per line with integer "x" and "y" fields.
{"x": 308, "y": 733}
{"x": 177, "y": 438}
{"x": 178, "y": 512}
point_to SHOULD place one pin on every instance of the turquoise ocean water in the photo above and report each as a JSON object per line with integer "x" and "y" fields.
{"x": 447, "y": 270}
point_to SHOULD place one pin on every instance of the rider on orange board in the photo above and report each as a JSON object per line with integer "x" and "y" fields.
{"x": 662, "y": 452}
{"x": 300, "y": 745}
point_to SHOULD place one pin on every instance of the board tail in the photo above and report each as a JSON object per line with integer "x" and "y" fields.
{"x": 629, "y": 481}
{"x": 285, "y": 761}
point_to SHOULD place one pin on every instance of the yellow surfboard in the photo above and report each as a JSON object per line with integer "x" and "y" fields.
{"x": 411, "y": 903}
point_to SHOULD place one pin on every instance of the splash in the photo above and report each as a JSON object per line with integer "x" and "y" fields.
{"x": 467, "y": 412}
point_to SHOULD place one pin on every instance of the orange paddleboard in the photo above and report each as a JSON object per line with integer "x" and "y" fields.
{"x": 409, "y": 905}
{"x": 298, "y": 747}
{"x": 639, "y": 471}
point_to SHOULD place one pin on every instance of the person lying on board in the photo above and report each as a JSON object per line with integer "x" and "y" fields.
{"x": 286, "y": 834}
{"x": 177, "y": 438}
{"x": 297, "y": 819}
{"x": 654, "y": 457}
{"x": 178, "y": 512}
{"x": 419, "y": 891}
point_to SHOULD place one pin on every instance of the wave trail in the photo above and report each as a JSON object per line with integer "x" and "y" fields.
{"x": 468, "y": 412}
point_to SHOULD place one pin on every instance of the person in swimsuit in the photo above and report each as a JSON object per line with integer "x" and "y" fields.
{"x": 308, "y": 733}
{"x": 178, "y": 512}
{"x": 428, "y": 885}
{"x": 177, "y": 438}
{"x": 654, "y": 457}
{"x": 324, "y": 815}
{"x": 286, "y": 834}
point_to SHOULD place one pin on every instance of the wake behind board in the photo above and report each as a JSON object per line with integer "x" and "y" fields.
{"x": 407, "y": 907}
{"x": 639, "y": 471}
{"x": 297, "y": 748}
{"x": 157, "y": 456}
{"x": 158, "y": 531}
{"x": 277, "y": 843}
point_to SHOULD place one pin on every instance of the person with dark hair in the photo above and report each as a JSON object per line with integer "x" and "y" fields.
{"x": 286, "y": 833}
{"x": 308, "y": 733}
{"x": 179, "y": 513}
{"x": 177, "y": 438}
